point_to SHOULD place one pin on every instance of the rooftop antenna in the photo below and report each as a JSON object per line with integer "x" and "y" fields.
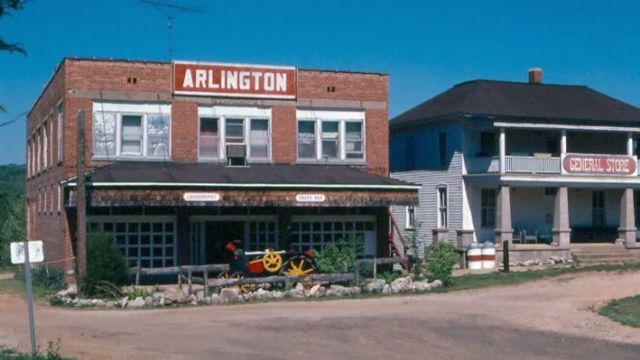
{"x": 169, "y": 11}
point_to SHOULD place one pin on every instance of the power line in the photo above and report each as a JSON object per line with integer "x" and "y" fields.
{"x": 14, "y": 119}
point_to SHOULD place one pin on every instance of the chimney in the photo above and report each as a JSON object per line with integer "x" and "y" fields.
{"x": 535, "y": 76}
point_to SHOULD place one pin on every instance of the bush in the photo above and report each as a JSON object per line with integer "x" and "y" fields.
{"x": 334, "y": 259}
{"x": 43, "y": 277}
{"x": 442, "y": 257}
{"x": 105, "y": 263}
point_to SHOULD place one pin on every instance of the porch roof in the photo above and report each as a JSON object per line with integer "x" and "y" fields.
{"x": 535, "y": 102}
{"x": 267, "y": 176}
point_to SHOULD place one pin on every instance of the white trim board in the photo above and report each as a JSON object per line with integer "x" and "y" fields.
{"x": 131, "y": 107}
{"x": 234, "y": 111}
{"x": 311, "y": 114}
{"x": 566, "y": 127}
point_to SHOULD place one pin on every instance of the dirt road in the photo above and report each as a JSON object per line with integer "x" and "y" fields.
{"x": 538, "y": 320}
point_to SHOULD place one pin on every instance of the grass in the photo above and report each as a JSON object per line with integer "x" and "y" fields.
{"x": 17, "y": 287}
{"x": 476, "y": 281}
{"x": 626, "y": 311}
{"x": 53, "y": 353}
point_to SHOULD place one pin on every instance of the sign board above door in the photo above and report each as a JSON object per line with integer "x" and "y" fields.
{"x": 232, "y": 80}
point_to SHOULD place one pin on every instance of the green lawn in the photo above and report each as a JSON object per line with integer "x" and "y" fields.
{"x": 17, "y": 287}
{"x": 475, "y": 281}
{"x": 51, "y": 354}
{"x": 625, "y": 311}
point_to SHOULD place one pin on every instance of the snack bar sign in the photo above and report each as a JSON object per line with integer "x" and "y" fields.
{"x": 230, "y": 80}
{"x": 599, "y": 164}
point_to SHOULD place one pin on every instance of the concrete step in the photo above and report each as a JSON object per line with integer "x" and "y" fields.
{"x": 608, "y": 261}
{"x": 602, "y": 255}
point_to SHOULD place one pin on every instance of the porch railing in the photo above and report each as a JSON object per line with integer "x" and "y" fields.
{"x": 532, "y": 165}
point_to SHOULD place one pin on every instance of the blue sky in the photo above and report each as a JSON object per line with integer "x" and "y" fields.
{"x": 425, "y": 46}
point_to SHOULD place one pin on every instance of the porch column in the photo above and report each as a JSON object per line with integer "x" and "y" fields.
{"x": 504, "y": 232}
{"x": 627, "y": 229}
{"x": 561, "y": 229}
{"x": 503, "y": 150}
{"x": 630, "y": 144}
{"x": 563, "y": 142}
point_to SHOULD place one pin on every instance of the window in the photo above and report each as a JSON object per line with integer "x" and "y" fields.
{"x": 45, "y": 146}
{"x": 442, "y": 148}
{"x": 331, "y": 135}
{"x": 158, "y": 135}
{"x": 131, "y": 141}
{"x": 598, "y": 209}
{"x": 221, "y": 125}
{"x": 488, "y": 208}
{"x": 410, "y": 153}
{"x": 60, "y": 132}
{"x": 147, "y": 241}
{"x": 353, "y": 140}
{"x": 104, "y": 134}
{"x": 306, "y": 139}
{"x": 234, "y": 131}
{"x": 261, "y": 235}
{"x": 209, "y": 144}
{"x": 410, "y": 218}
{"x": 442, "y": 207}
{"x": 123, "y": 130}
{"x": 39, "y": 151}
{"x": 487, "y": 144}
{"x": 50, "y": 154}
{"x": 259, "y": 139}
{"x": 307, "y": 233}
{"x": 330, "y": 139}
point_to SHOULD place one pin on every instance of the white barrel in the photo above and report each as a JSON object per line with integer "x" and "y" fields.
{"x": 488, "y": 256}
{"x": 474, "y": 256}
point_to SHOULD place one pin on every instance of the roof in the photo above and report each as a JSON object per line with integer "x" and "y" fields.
{"x": 173, "y": 174}
{"x": 522, "y": 100}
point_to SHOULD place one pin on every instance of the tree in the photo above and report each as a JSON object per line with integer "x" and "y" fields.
{"x": 6, "y": 7}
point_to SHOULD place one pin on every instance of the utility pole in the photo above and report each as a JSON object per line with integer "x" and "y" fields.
{"x": 168, "y": 10}
{"x": 81, "y": 206}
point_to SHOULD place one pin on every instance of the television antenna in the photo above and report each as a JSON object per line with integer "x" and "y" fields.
{"x": 170, "y": 11}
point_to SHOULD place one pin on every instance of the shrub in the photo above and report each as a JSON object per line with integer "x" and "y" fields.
{"x": 442, "y": 257}
{"x": 335, "y": 259}
{"x": 43, "y": 277}
{"x": 105, "y": 263}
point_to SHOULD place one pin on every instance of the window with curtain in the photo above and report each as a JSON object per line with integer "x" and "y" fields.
{"x": 104, "y": 134}
{"x": 259, "y": 139}
{"x": 209, "y": 138}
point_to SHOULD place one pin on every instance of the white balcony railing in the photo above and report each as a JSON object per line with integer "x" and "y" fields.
{"x": 532, "y": 165}
{"x": 515, "y": 164}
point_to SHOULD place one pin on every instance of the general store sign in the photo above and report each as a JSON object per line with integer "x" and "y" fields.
{"x": 229, "y": 80}
{"x": 201, "y": 197}
{"x": 599, "y": 164}
{"x": 36, "y": 252}
{"x": 311, "y": 198}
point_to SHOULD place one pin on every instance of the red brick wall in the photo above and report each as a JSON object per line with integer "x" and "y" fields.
{"x": 79, "y": 82}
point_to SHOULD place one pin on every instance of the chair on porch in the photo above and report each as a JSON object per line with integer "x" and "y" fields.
{"x": 528, "y": 238}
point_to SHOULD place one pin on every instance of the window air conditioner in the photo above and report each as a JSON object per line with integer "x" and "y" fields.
{"x": 236, "y": 154}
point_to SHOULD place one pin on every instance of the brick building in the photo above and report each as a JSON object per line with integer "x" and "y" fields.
{"x": 182, "y": 157}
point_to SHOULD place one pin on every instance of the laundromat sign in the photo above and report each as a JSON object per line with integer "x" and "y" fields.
{"x": 599, "y": 164}
{"x": 230, "y": 80}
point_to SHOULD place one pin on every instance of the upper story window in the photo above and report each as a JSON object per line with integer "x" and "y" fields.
{"x": 442, "y": 148}
{"x": 131, "y": 131}
{"x": 330, "y": 136}
{"x": 227, "y": 125}
{"x": 45, "y": 146}
{"x": 60, "y": 133}
{"x": 487, "y": 144}
{"x": 443, "y": 204}
{"x": 410, "y": 218}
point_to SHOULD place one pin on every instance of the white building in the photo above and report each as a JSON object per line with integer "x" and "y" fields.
{"x": 541, "y": 166}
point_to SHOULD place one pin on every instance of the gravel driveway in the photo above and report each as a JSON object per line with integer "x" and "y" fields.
{"x": 546, "y": 319}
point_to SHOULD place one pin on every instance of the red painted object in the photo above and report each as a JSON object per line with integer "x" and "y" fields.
{"x": 255, "y": 267}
